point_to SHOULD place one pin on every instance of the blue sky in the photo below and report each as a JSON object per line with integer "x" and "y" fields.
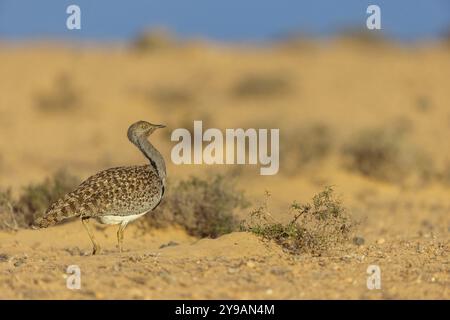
{"x": 226, "y": 20}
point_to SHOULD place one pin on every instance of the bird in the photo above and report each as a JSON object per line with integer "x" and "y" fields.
{"x": 115, "y": 196}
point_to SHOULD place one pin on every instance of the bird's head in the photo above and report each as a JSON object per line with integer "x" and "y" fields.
{"x": 142, "y": 129}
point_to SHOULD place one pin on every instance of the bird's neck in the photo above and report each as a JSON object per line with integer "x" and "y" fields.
{"x": 153, "y": 155}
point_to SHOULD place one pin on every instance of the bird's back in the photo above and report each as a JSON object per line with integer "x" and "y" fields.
{"x": 120, "y": 191}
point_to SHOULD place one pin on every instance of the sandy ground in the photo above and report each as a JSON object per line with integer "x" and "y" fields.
{"x": 346, "y": 86}
{"x": 33, "y": 265}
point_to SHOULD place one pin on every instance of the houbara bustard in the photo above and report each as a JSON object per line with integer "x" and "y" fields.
{"x": 117, "y": 195}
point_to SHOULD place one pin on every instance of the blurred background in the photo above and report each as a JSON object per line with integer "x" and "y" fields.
{"x": 252, "y": 20}
{"x": 365, "y": 111}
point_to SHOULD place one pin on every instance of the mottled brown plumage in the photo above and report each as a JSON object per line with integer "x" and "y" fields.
{"x": 117, "y": 195}
{"x": 117, "y": 191}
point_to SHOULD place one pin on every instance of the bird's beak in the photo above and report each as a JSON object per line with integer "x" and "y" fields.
{"x": 158, "y": 126}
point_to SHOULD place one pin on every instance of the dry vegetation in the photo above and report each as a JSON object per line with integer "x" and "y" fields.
{"x": 8, "y": 218}
{"x": 262, "y": 86}
{"x": 203, "y": 207}
{"x": 34, "y": 200}
{"x": 63, "y": 97}
{"x": 154, "y": 40}
{"x": 308, "y": 146}
{"x": 314, "y": 227}
{"x": 386, "y": 154}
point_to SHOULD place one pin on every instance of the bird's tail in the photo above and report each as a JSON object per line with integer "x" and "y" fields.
{"x": 60, "y": 210}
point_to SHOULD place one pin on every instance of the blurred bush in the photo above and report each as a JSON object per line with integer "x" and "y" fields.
{"x": 261, "y": 85}
{"x": 63, "y": 97}
{"x": 386, "y": 154}
{"x": 172, "y": 96}
{"x": 305, "y": 146}
{"x": 153, "y": 40}
{"x": 364, "y": 37}
{"x": 204, "y": 207}
{"x": 444, "y": 174}
{"x": 36, "y": 198}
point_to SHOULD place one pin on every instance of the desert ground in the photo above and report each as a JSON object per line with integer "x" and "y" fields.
{"x": 69, "y": 105}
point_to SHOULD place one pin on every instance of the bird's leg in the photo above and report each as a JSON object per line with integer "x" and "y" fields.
{"x": 96, "y": 248}
{"x": 120, "y": 236}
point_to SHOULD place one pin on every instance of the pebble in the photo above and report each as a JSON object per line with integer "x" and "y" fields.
{"x": 20, "y": 261}
{"x": 381, "y": 241}
{"x": 169, "y": 244}
{"x": 279, "y": 271}
{"x": 74, "y": 251}
{"x": 251, "y": 264}
{"x": 233, "y": 270}
{"x": 419, "y": 248}
{"x": 359, "y": 241}
{"x": 117, "y": 267}
{"x": 4, "y": 257}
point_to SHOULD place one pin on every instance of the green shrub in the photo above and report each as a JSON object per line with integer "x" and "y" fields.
{"x": 204, "y": 207}
{"x": 314, "y": 227}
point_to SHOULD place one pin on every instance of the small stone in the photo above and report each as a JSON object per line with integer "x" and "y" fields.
{"x": 75, "y": 251}
{"x": 381, "y": 241}
{"x": 233, "y": 270}
{"x": 4, "y": 257}
{"x": 278, "y": 271}
{"x": 20, "y": 261}
{"x": 251, "y": 264}
{"x": 269, "y": 292}
{"x": 419, "y": 248}
{"x": 167, "y": 277}
{"x": 359, "y": 241}
{"x": 140, "y": 280}
{"x": 169, "y": 244}
{"x": 427, "y": 224}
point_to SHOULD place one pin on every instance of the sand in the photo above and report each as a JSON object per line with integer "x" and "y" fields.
{"x": 235, "y": 266}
